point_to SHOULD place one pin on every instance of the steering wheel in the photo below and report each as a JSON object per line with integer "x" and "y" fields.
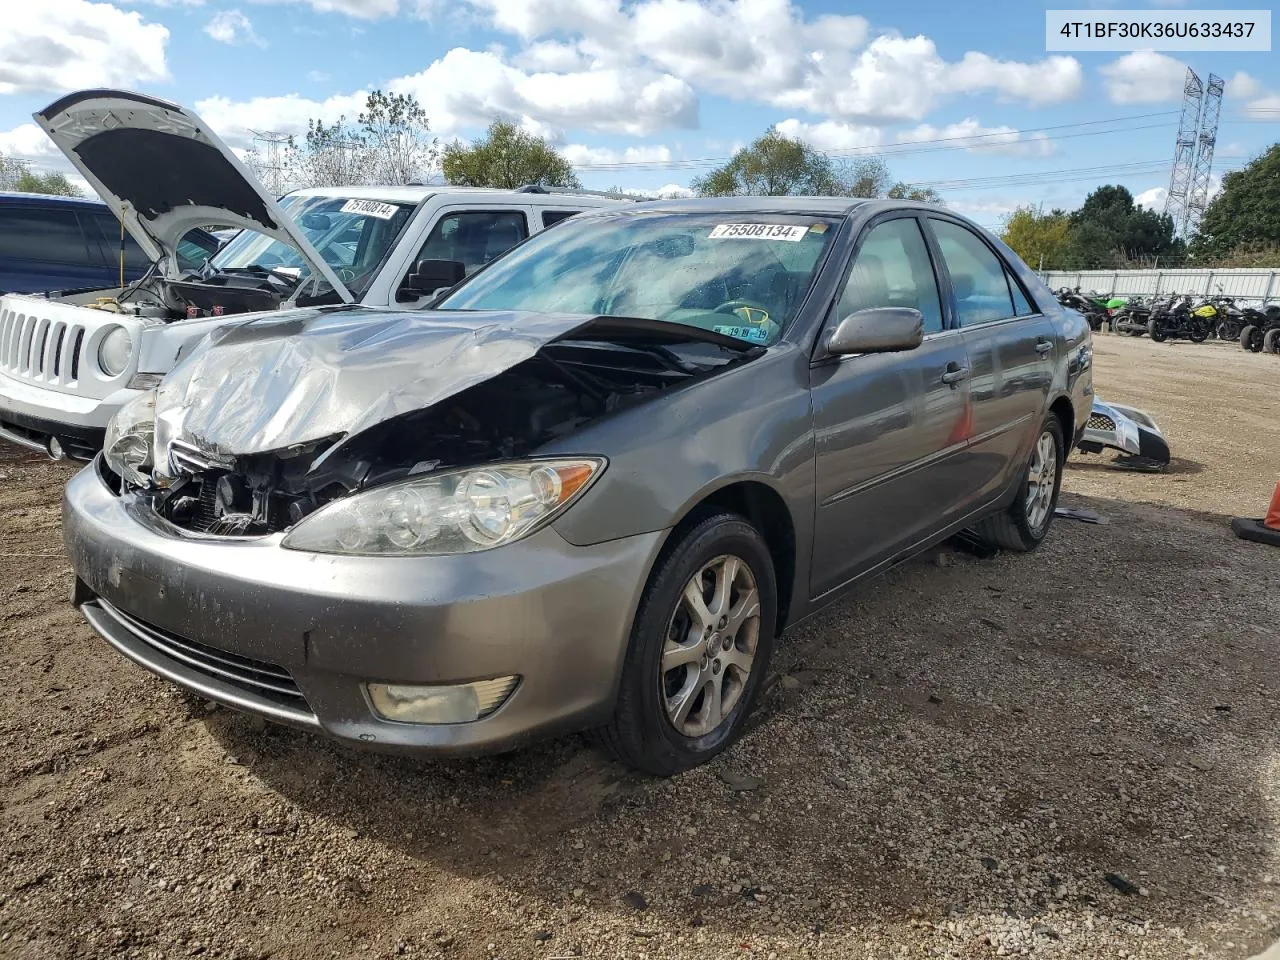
{"x": 745, "y": 310}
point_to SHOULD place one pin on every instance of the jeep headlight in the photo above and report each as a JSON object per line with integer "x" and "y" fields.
{"x": 455, "y": 511}
{"x": 114, "y": 351}
{"x": 130, "y": 440}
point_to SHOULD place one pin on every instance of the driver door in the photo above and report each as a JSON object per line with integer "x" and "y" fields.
{"x": 888, "y": 426}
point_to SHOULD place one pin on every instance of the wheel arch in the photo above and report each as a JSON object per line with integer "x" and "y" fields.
{"x": 1065, "y": 411}
{"x": 767, "y": 510}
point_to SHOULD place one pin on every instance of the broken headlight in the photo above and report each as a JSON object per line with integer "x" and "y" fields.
{"x": 456, "y": 511}
{"x": 130, "y": 440}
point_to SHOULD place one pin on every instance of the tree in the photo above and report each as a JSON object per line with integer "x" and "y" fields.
{"x": 17, "y": 177}
{"x": 397, "y": 137}
{"x": 1108, "y": 230}
{"x": 905, "y": 191}
{"x": 1246, "y": 212}
{"x": 776, "y": 165}
{"x": 1039, "y": 238}
{"x": 507, "y": 157}
{"x": 390, "y": 142}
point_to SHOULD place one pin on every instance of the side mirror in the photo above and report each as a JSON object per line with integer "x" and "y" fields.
{"x": 429, "y": 276}
{"x": 878, "y": 330}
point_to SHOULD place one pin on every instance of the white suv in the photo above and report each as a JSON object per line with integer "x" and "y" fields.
{"x": 69, "y": 361}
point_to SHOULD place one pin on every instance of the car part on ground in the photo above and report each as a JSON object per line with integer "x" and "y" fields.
{"x": 163, "y": 171}
{"x": 1263, "y": 529}
{"x": 1130, "y": 431}
{"x": 637, "y": 445}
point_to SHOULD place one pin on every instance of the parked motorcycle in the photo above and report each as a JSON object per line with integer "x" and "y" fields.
{"x": 1133, "y": 317}
{"x": 1261, "y": 333}
{"x": 1092, "y": 306}
{"x": 1183, "y": 319}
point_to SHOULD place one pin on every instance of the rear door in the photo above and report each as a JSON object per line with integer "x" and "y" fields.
{"x": 887, "y": 426}
{"x": 1011, "y": 347}
{"x": 42, "y": 248}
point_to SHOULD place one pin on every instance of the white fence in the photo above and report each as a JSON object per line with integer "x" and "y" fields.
{"x": 1260, "y": 285}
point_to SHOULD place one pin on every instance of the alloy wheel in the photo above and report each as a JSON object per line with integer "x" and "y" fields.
{"x": 1042, "y": 477}
{"x": 710, "y": 646}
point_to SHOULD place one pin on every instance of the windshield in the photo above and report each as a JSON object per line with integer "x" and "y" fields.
{"x": 352, "y": 235}
{"x": 743, "y": 275}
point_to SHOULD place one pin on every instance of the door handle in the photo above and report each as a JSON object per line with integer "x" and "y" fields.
{"x": 1043, "y": 346}
{"x": 954, "y": 374}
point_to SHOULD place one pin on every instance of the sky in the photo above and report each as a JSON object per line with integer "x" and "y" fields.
{"x": 647, "y": 94}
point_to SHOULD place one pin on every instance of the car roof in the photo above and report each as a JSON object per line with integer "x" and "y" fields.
{"x": 822, "y": 206}
{"x": 14, "y": 196}
{"x": 416, "y": 194}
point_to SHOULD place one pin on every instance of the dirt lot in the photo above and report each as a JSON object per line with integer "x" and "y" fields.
{"x": 957, "y": 759}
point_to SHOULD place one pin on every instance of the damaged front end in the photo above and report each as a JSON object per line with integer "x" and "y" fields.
{"x": 1128, "y": 430}
{"x": 409, "y": 432}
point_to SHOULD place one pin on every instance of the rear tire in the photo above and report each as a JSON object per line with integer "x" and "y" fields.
{"x": 1271, "y": 341}
{"x": 671, "y": 652}
{"x": 1025, "y": 523}
{"x": 1251, "y": 339}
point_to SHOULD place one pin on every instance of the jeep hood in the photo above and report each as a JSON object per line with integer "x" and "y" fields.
{"x": 289, "y": 380}
{"x": 164, "y": 172}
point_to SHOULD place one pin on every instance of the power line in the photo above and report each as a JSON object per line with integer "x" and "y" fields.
{"x": 901, "y": 148}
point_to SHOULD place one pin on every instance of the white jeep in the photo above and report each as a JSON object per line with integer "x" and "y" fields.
{"x": 69, "y": 361}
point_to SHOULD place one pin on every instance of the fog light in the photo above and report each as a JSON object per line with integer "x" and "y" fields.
{"x": 460, "y": 703}
{"x": 55, "y": 449}
{"x": 145, "y": 381}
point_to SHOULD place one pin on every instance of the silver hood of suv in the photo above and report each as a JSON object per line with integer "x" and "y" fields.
{"x": 164, "y": 172}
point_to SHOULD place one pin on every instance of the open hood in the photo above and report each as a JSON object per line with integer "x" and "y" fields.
{"x": 163, "y": 172}
{"x": 291, "y": 379}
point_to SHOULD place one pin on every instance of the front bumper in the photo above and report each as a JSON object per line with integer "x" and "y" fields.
{"x": 294, "y": 636}
{"x": 31, "y": 416}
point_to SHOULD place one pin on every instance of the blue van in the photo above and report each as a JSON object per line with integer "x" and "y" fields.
{"x": 69, "y": 243}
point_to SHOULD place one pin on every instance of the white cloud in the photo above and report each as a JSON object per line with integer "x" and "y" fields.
{"x": 967, "y": 134}
{"x": 62, "y": 45}
{"x": 236, "y": 122}
{"x": 1266, "y": 108}
{"x": 1152, "y": 199}
{"x": 767, "y": 51}
{"x": 364, "y": 9}
{"x": 1144, "y": 76}
{"x": 232, "y": 26}
{"x": 469, "y": 88}
{"x": 584, "y": 156}
{"x": 975, "y": 138}
{"x": 1243, "y": 85}
{"x": 28, "y": 142}
{"x": 672, "y": 191}
{"x": 831, "y": 134}
{"x": 317, "y": 76}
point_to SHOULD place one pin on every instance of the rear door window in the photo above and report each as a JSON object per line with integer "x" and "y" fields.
{"x": 105, "y": 230}
{"x": 552, "y": 217}
{"x": 43, "y": 235}
{"x": 978, "y": 276}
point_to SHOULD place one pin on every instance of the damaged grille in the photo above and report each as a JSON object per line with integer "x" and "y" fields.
{"x": 1100, "y": 422}
{"x": 259, "y": 677}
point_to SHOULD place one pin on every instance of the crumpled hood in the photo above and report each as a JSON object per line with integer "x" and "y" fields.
{"x": 293, "y": 378}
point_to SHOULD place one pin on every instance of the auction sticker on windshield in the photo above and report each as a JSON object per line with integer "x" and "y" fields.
{"x": 758, "y": 231}
{"x": 371, "y": 208}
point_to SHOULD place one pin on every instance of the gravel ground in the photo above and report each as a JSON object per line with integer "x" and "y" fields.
{"x": 1069, "y": 754}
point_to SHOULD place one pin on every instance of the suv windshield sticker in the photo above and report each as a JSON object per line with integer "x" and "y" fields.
{"x": 371, "y": 208}
{"x": 758, "y": 231}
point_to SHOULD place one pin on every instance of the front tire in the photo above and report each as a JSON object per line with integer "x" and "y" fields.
{"x": 1271, "y": 341}
{"x": 1156, "y": 330}
{"x": 1025, "y": 523}
{"x": 699, "y": 649}
{"x": 1251, "y": 338}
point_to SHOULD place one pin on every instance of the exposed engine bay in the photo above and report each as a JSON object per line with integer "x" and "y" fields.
{"x": 561, "y": 388}
{"x": 210, "y": 293}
